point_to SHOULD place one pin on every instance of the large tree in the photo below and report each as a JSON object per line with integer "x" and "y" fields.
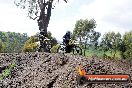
{"x": 111, "y": 41}
{"x": 127, "y": 45}
{"x": 42, "y": 10}
{"x": 83, "y": 30}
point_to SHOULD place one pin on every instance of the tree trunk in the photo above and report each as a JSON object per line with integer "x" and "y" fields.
{"x": 43, "y": 22}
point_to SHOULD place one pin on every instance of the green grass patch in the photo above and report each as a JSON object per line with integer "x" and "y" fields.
{"x": 88, "y": 53}
{"x": 91, "y": 52}
{"x": 1, "y": 77}
{"x": 117, "y": 55}
{"x": 7, "y": 71}
{"x": 12, "y": 65}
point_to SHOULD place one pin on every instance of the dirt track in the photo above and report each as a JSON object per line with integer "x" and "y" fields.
{"x": 44, "y": 70}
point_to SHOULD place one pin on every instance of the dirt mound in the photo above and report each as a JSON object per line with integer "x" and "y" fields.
{"x": 44, "y": 70}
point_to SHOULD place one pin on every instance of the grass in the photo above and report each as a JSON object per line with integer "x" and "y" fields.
{"x": 117, "y": 55}
{"x": 12, "y": 65}
{"x": 7, "y": 71}
{"x": 5, "y": 74}
{"x": 91, "y": 52}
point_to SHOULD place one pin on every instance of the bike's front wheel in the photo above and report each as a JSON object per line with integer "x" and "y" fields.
{"x": 77, "y": 50}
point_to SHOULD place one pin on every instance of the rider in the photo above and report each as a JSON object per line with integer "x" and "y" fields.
{"x": 66, "y": 40}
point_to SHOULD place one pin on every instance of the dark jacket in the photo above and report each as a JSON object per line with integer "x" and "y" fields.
{"x": 67, "y": 36}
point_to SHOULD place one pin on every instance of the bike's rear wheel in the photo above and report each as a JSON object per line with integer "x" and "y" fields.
{"x": 77, "y": 50}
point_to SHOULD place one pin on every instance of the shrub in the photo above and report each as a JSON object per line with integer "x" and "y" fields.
{"x": 30, "y": 45}
{"x": 54, "y": 48}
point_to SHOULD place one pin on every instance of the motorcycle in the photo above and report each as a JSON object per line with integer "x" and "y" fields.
{"x": 72, "y": 46}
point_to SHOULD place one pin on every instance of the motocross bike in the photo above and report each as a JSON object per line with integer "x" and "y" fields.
{"x": 72, "y": 46}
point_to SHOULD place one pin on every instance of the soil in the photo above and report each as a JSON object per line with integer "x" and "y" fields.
{"x": 45, "y": 70}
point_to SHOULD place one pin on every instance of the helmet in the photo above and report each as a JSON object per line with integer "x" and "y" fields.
{"x": 68, "y": 32}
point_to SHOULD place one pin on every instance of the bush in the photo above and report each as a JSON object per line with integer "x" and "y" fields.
{"x": 54, "y": 48}
{"x": 128, "y": 54}
{"x": 30, "y": 45}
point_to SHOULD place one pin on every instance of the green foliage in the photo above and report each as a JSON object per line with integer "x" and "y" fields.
{"x": 84, "y": 31}
{"x": 92, "y": 52}
{"x": 53, "y": 40}
{"x": 49, "y": 35}
{"x": 54, "y": 48}
{"x": 7, "y": 71}
{"x": 1, "y": 46}
{"x": 12, "y": 42}
{"x": 32, "y": 39}
{"x": 1, "y": 77}
{"x": 127, "y": 40}
{"x": 82, "y": 28}
{"x": 12, "y": 65}
{"x": 30, "y": 45}
{"x": 94, "y": 38}
{"x": 111, "y": 41}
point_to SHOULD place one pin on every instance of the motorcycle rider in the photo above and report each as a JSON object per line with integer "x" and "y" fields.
{"x": 66, "y": 39}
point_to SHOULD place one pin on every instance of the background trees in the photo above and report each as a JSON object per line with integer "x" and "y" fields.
{"x": 52, "y": 39}
{"x": 83, "y": 30}
{"x": 127, "y": 45}
{"x": 1, "y": 46}
{"x": 12, "y": 42}
{"x": 112, "y": 44}
{"x": 111, "y": 41}
{"x": 85, "y": 33}
{"x": 116, "y": 44}
{"x": 94, "y": 38}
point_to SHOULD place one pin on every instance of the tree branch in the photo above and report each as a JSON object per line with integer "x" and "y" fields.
{"x": 33, "y": 18}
